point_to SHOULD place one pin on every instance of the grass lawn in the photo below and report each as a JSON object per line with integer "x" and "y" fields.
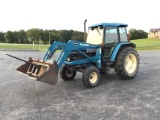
{"x": 147, "y": 44}
{"x": 23, "y": 46}
{"x": 142, "y": 44}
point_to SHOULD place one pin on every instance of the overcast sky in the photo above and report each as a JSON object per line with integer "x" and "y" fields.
{"x": 70, "y": 14}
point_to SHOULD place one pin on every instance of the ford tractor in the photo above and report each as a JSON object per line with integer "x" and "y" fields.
{"x": 106, "y": 47}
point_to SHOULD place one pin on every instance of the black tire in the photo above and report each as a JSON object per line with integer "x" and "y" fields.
{"x": 102, "y": 72}
{"x": 67, "y": 73}
{"x": 91, "y": 77}
{"x": 127, "y": 63}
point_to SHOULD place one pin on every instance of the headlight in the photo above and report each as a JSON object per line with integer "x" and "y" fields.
{"x": 68, "y": 59}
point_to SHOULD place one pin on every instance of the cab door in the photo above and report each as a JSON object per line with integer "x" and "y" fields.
{"x": 110, "y": 40}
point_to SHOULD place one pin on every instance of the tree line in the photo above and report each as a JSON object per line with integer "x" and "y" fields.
{"x": 137, "y": 34}
{"x": 40, "y": 36}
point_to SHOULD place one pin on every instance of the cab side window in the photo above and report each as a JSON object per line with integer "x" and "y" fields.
{"x": 111, "y": 35}
{"x": 123, "y": 34}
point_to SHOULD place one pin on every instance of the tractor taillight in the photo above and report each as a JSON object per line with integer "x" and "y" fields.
{"x": 128, "y": 36}
{"x": 102, "y": 44}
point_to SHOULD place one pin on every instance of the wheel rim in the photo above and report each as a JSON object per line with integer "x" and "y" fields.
{"x": 93, "y": 77}
{"x": 69, "y": 73}
{"x": 131, "y": 63}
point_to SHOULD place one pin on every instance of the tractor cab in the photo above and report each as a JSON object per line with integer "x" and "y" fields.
{"x": 108, "y": 35}
{"x": 105, "y": 33}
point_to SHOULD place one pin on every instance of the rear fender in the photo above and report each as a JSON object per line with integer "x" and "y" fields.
{"x": 117, "y": 49}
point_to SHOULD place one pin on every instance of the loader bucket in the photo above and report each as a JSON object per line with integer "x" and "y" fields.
{"x": 40, "y": 71}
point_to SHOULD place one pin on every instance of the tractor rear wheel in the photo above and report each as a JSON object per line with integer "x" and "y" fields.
{"x": 91, "y": 77}
{"x": 67, "y": 73}
{"x": 127, "y": 63}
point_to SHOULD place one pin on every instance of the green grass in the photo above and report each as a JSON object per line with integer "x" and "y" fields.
{"x": 142, "y": 44}
{"x": 24, "y": 46}
{"x": 147, "y": 44}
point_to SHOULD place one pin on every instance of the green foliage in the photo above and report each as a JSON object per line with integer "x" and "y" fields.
{"x": 2, "y": 38}
{"x": 40, "y": 36}
{"x": 22, "y": 37}
{"x": 10, "y": 37}
{"x": 137, "y": 34}
{"x": 78, "y": 36}
{"x": 33, "y": 35}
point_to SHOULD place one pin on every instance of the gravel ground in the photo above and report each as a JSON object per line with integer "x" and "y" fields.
{"x": 114, "y": 99}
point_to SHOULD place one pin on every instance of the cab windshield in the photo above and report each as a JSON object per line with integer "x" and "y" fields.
{"x": 95, "y": 35}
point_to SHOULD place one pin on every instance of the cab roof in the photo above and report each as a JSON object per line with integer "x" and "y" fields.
{"x": 109, "y": 24}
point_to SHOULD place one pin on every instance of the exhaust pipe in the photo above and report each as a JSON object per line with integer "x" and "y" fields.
{"x": 85, "y": 36}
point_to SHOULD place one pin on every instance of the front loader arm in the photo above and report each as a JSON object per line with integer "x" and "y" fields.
{"x": 51, "y": 50}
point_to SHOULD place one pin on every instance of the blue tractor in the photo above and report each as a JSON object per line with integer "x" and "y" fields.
{"x": 106, "y": 47}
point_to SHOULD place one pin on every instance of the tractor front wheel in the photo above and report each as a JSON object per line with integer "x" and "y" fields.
{"x": 91, "y": 77}
{"x": 67, "y": 73}
{"x": 127, "y": 63}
